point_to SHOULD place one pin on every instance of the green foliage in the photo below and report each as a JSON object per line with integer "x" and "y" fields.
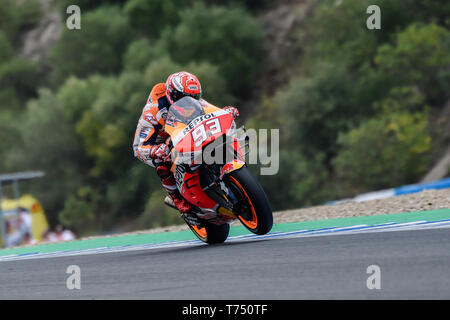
{"x": 28, "y": 12}
{"x": 8, "y": 18}
{"x": 214, "y": 86}
{"x": 18, "y": 15}
{"x": 96, "y": 48}
{"x": 6, "y": 49}
{"x": 314, "y": 110}
{"x": 341, "y": 28}
{"x": 228, "y": 37}
{"x": 126, "y": 195}
{"x": 8, "y": 95}
{"x": 111, "y": 119}
{"x": 427, "y": 11}
{"x": 301, "y": 181}
{"x": 46, "y": 142}
{"x": 250, "y": 4}
{"x": 158, "y": 70}
{"x": 401, "y": 99}
{"x": 87, "y": 5}
{"x": 9, "y": 99}
{"x": 140, "y": 53}
{"x": 151, "y": 17}
{"x": 354, "y": 87}
{"x": 395, "y": 148}
{"x": 19, "y": 75}
{"x": 77, "y": 214}
{"x": 8, "y": 133}
{"x": 419, "y": 54}
{"x": 157, "y": 214}
{"x": 77, "y": 95}
{"x": 339, "y": 32}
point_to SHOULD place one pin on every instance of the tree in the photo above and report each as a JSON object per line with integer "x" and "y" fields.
{"x": 151, "y": 17}
{"x": 141, "y": 53}
{"x": 389, "y": 150}
{"x": 16, "y": 16}
{"x": 421, "y": 56}
{"x": 97, "y": 48}
{"x": 77, "y": 214}
{"x": 47, "y": 142}
{"x": 19, "y": 76}
{"x": 227, "y": 37}
{"x": 313, "y": 110}
{"x": 6, "y": 49}
{"x": 157, "y": 214}
{"x": 301, "y": 181}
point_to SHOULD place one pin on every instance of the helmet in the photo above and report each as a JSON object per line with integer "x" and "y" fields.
{"x": 182, "y": 84}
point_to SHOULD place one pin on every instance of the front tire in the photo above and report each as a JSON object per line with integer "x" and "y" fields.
{"x": 253, "y": 207}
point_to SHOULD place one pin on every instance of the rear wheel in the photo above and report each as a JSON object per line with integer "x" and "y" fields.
{"x": 211, "y": 233}
{"x": 253, "y": 208}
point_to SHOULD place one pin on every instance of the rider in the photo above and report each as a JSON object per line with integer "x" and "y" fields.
{"x": 149, "y": 141}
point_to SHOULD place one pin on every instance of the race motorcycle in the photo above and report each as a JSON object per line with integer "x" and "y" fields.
{"x": 208, "y": 163}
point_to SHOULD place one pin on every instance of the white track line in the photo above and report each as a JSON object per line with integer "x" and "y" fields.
{"x": 384, "y": 227}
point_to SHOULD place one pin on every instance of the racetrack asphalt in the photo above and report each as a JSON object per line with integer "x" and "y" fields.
{"x": 413, "y": 264}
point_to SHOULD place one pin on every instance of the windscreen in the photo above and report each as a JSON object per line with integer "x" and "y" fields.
{"x": 185, "y": 110}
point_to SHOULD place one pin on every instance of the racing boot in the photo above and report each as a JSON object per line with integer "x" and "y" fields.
{"x": 168, "y": 183}
{"x": 176, "y": 200}
{"x": 189, "y": 216}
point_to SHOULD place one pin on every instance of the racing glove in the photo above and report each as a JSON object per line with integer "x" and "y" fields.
{"x": 232, "y": 110}
{"x": 159, "y": 151}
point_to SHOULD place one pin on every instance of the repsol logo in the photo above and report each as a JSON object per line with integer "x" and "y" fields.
{"x": 197, "y": 120}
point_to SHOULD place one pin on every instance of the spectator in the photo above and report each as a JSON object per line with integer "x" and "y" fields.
{"x": 49, "y": 236}
{"x": 19, "y": 229}
{"x": 64, "y": 234}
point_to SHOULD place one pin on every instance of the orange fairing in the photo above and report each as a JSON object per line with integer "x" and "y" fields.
{"x": 174, "y": 131}
{"x": 209, "y": 108}
{"x": 179, "y": 126}
{"x": 184, "y": 136}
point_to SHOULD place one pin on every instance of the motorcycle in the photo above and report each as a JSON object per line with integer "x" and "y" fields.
{"x": 208, "y": 163}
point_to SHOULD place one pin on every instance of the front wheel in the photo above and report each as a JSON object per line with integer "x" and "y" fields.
{"x": 253, "y": 208}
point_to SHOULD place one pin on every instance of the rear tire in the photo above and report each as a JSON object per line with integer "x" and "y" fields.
{"x": 211, "y": 233}
{"x": 256, "y": 213}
